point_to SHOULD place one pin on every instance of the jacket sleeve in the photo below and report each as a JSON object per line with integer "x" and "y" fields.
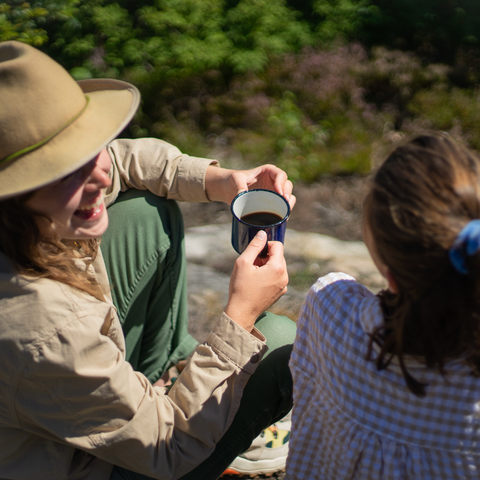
{"x": 77, "y": 389}
{"x": 155, "y": 165}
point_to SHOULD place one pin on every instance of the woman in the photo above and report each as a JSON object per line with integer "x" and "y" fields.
{"x": 77, "y": 398}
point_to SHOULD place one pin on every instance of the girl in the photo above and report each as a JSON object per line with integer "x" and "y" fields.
{"x": 87, "y": 333}
{"x": 387, "y": 386}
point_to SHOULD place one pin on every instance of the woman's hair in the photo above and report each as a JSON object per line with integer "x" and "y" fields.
{"x": 35, "y": 256}
{"x": 420, "y": 199}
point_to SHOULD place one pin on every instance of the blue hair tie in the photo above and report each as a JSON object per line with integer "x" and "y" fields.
{"x": 466, "y": 244}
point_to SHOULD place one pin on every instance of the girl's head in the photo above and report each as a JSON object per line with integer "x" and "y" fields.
{"x": 420, "y": 199}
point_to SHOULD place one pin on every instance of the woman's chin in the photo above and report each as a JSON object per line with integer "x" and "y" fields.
{"x": 90, "y": 226}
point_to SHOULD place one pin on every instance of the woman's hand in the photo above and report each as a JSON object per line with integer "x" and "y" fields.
{"x": 223, "y": 184}
{"x": 256, "y": 283}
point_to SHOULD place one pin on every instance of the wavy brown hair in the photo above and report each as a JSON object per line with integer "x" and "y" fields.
{"x": 420, "y": 199}
{"x": 35, "y": 256}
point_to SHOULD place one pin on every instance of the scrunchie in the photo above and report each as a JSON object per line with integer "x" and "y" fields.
{"x": 466, "y": 244}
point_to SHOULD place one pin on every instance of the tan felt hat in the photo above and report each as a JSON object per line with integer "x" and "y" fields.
{"x": 51, "y": 125}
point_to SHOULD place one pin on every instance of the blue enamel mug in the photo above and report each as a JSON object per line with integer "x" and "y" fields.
{"x": 256, "y": 210}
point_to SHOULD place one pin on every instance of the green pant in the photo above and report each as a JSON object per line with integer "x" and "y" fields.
{"x": 143, "y": 250}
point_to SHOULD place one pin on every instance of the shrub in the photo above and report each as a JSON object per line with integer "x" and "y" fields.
{"x": 244, "y": 76}
{"x": 452, "y": 110}
{"x": 21, "y": 21}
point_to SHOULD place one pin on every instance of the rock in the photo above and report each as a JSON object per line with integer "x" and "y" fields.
{"x": 211, "y": 257}
{"x": 342, "y": 256}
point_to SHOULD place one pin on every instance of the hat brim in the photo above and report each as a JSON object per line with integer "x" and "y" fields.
{"x": 111, "y": 107}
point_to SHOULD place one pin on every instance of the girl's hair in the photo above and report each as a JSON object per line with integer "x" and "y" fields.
{"x": 420, "y": 199}
{"x": 35, "y": 256}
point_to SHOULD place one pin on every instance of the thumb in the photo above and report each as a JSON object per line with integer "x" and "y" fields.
{"x": 255, "y": 246}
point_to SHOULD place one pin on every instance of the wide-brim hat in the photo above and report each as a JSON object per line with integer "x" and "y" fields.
{"x": 51, "y": 125}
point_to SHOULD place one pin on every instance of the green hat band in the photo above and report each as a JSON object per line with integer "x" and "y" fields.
{"x": 43, "y": 142}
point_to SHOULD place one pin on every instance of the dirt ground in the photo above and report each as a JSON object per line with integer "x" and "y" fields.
{"x": 332, "y": 207}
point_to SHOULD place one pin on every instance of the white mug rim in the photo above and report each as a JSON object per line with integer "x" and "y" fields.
{"x": 284, "y": 219}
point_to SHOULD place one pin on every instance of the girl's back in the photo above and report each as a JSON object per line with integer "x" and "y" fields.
{"x": 351, "y": 421}
{"x": 385, "y": 386}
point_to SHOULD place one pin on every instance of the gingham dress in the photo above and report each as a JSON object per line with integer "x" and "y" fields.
{"x": 351, "y": 421}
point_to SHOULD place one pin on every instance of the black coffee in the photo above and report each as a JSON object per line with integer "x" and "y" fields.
{"x": 262, "y": 219}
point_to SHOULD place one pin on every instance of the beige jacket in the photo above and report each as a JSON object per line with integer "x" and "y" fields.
{"x": 70, "y": 405}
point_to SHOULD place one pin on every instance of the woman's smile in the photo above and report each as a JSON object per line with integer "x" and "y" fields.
{"x": 91, "y": 211}
{"x": 74, "y": 207}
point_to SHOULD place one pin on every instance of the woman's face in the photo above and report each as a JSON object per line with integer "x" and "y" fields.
{"x": 74, "y": 204}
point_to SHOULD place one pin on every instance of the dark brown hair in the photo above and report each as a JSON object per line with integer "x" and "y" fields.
{"x": 420, "y": 199}
{"x": 38, "y": 257}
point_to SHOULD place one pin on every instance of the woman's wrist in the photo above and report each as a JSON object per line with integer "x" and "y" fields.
{"x": 245, "y": 320}
{"x": 215, "y": 178}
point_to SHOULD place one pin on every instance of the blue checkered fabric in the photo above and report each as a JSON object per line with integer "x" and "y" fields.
{"x": 351, "y": 421}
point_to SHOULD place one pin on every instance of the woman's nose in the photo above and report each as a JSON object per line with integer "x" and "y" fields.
{"x": 99, "y": 176}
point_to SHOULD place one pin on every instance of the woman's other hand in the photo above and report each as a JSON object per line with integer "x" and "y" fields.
{"x": 256, "y": 283}
{"x": 223, "y": 184}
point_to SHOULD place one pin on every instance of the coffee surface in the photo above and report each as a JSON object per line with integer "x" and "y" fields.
{"x": 262, "y": 219}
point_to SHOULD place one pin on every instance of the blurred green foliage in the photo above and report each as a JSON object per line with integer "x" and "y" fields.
{"x": 314, "y": 86}
{"x": 435, "y": 29}
{"x": 336, "y": 18}
{"x": 177, "y": 38}
{"x": 19, "y": 20}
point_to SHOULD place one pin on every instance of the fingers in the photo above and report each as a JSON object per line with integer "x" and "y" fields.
{"x": 255, "y": 287}
{"x": 287, "y": 190}
{"x": 292, "y": 201}
{"x": 280, "y": 182}
{"x": 275, "y": 249}
{"x": 277, "y": 261}
{"x": 254, "y": 247}
{"x": 266, "y": 176}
